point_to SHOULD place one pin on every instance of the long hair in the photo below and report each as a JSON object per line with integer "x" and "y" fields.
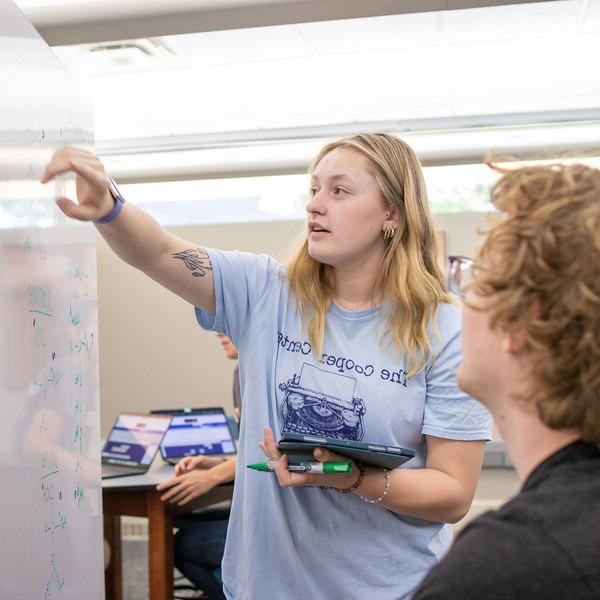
{"x": 410, "y": 275}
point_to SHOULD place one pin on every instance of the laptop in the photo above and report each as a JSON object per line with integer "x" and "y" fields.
{"x": 132, "y": 444}
{"x": 196, "y": 432}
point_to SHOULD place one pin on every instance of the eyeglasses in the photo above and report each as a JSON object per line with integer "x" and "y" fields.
{"x": 460, "y": 273}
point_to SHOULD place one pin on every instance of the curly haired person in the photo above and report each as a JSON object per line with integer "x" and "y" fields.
{"x": 531, "y": 355}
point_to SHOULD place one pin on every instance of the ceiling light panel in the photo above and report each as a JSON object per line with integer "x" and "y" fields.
{"x": 523, "y": 76}
{"x": 509, "y": 59}
{"x": 581, "y": 80}
{"x": 398, "y": 84}
{"x": 180, "y": 102}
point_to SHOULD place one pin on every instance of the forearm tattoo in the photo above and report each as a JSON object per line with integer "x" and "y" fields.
{"x": 196, "y": 260}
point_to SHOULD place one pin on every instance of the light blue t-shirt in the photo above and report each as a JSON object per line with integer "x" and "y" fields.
{"x": 313, "y": 543}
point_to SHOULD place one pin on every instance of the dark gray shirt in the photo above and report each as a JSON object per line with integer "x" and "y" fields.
{"x": 545, "y": 543}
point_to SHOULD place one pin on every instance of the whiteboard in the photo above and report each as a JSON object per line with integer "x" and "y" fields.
{"x": 51, "y": 500}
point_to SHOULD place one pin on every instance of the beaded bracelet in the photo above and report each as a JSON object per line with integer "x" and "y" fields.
{"x": 386, "y": 489}
{"x": 356, "y": 484}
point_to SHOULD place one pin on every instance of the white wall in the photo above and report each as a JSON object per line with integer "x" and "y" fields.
{"x": 152, "y": 352}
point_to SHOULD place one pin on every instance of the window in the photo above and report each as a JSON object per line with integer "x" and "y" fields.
{"x": 452, "y": 188}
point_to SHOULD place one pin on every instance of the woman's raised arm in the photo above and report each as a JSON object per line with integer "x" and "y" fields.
{"x": 180, "y": 266}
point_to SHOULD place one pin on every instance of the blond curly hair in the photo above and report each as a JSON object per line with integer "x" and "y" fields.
{"x": 543, "y": 284}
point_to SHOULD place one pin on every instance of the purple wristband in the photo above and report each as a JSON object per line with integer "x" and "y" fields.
{"x": 117, "y": 208}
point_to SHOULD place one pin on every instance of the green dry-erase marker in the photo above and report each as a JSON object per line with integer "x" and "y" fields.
{"x": 327, "y": 468}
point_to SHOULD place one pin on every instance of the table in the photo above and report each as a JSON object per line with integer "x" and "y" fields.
{"x": 137, "y": 496}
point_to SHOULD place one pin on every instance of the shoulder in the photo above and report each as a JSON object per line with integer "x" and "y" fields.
{"x": 444, "y": 329}
{"x": 263, "y": 261}
{"x": 538, "y": 545}
{"x": 240, "y": 268}
{"x": 447, "y": 319}
{"x": 487, "y": 561}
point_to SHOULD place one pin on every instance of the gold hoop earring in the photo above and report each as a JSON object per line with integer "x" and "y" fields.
{"x": 388, "y": 232}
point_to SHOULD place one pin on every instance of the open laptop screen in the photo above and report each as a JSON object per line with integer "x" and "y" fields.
{"x": 196, "y": 432}
{"x": 134, "y": 439}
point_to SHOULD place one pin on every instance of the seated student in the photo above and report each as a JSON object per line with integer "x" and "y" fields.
{"x": 200, "y": 541}
{"x": 531, "y": 354}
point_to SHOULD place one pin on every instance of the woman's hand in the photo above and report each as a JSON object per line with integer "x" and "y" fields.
{"x": 286, "y": 478}
{"x": 191, "y": 463}
{"x": 91, "y": 182}
{"x": 185, "y": 488}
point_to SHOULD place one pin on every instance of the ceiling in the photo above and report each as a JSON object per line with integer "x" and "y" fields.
{"x": 506, "y": 59}
{"x": 446, "y": 70}
{"x": 79, "y": 21}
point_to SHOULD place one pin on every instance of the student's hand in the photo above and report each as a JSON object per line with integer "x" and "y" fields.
{"x": 287, "y": 479}
{"x": 91, "y": 182}
{"x": 185, "y": 488}
{"x": 191, "y": 463}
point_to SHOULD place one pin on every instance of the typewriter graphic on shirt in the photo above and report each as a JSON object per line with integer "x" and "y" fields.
{"x": 321, "y": 402}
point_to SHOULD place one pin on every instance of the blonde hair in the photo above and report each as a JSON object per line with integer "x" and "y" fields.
{"x": 544, "y": 285}
{"x": 410, "y": 273}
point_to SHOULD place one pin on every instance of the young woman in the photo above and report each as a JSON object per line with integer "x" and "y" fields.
{"x": 356, "y": 339}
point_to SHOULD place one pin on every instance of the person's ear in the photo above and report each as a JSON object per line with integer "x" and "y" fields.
{"x": 392, "y": 217}
{"x": 514, "y": 342}
{"x": 511, "y": 344}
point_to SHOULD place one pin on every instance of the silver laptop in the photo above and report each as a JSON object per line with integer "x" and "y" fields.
{"x": 196, "y": 432}
{"x": 132, "y": 444}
